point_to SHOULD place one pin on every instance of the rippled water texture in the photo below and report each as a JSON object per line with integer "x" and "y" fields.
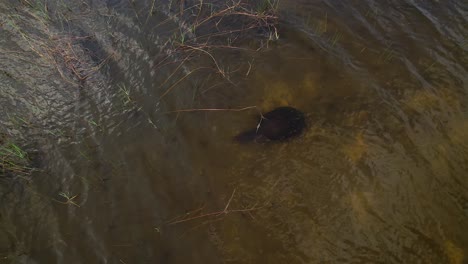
{"x": 97, "y": 92}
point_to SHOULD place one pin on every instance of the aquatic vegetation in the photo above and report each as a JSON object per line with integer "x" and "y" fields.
{"x": 14, "y": 161}
{"x": 266, "y": 6}
{"x": 387, "y": 55}
{"x": 69, "y": 199}
{"x": 206, "y": 28}
{"x": 336, "y": 37}
{"x": 124, "y": 93}
{"x": 321, "y": 26}
{"x": 33, "y": 22}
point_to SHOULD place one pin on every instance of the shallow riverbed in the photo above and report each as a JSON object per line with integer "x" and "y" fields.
{"x": 129, "y": 109}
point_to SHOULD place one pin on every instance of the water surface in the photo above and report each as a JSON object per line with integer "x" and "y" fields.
{"x": 378, "y": 176}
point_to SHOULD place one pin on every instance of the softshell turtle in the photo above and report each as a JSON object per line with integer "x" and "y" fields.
{"x": 279, "y": 124}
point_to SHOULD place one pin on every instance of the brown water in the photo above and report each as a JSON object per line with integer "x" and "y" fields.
{"x": 378, "y": 176}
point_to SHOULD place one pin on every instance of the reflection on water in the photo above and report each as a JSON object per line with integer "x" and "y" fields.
{"x": 379, "y": 175}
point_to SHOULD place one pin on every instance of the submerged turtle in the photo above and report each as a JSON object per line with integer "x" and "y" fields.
{"x": 280, "y": 124}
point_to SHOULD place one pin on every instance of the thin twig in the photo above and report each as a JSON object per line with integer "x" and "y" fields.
{"x": 180, "y": 80}
{"x": 225, "y": 211}
{"x": 212, "y": 109}
{"x": 212, "y": 57}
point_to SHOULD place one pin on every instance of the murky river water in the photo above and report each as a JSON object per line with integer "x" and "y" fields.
{"x": 95, "y": 91}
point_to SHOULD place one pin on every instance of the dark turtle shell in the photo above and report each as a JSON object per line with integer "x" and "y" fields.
{"x": 280, "y": 124}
